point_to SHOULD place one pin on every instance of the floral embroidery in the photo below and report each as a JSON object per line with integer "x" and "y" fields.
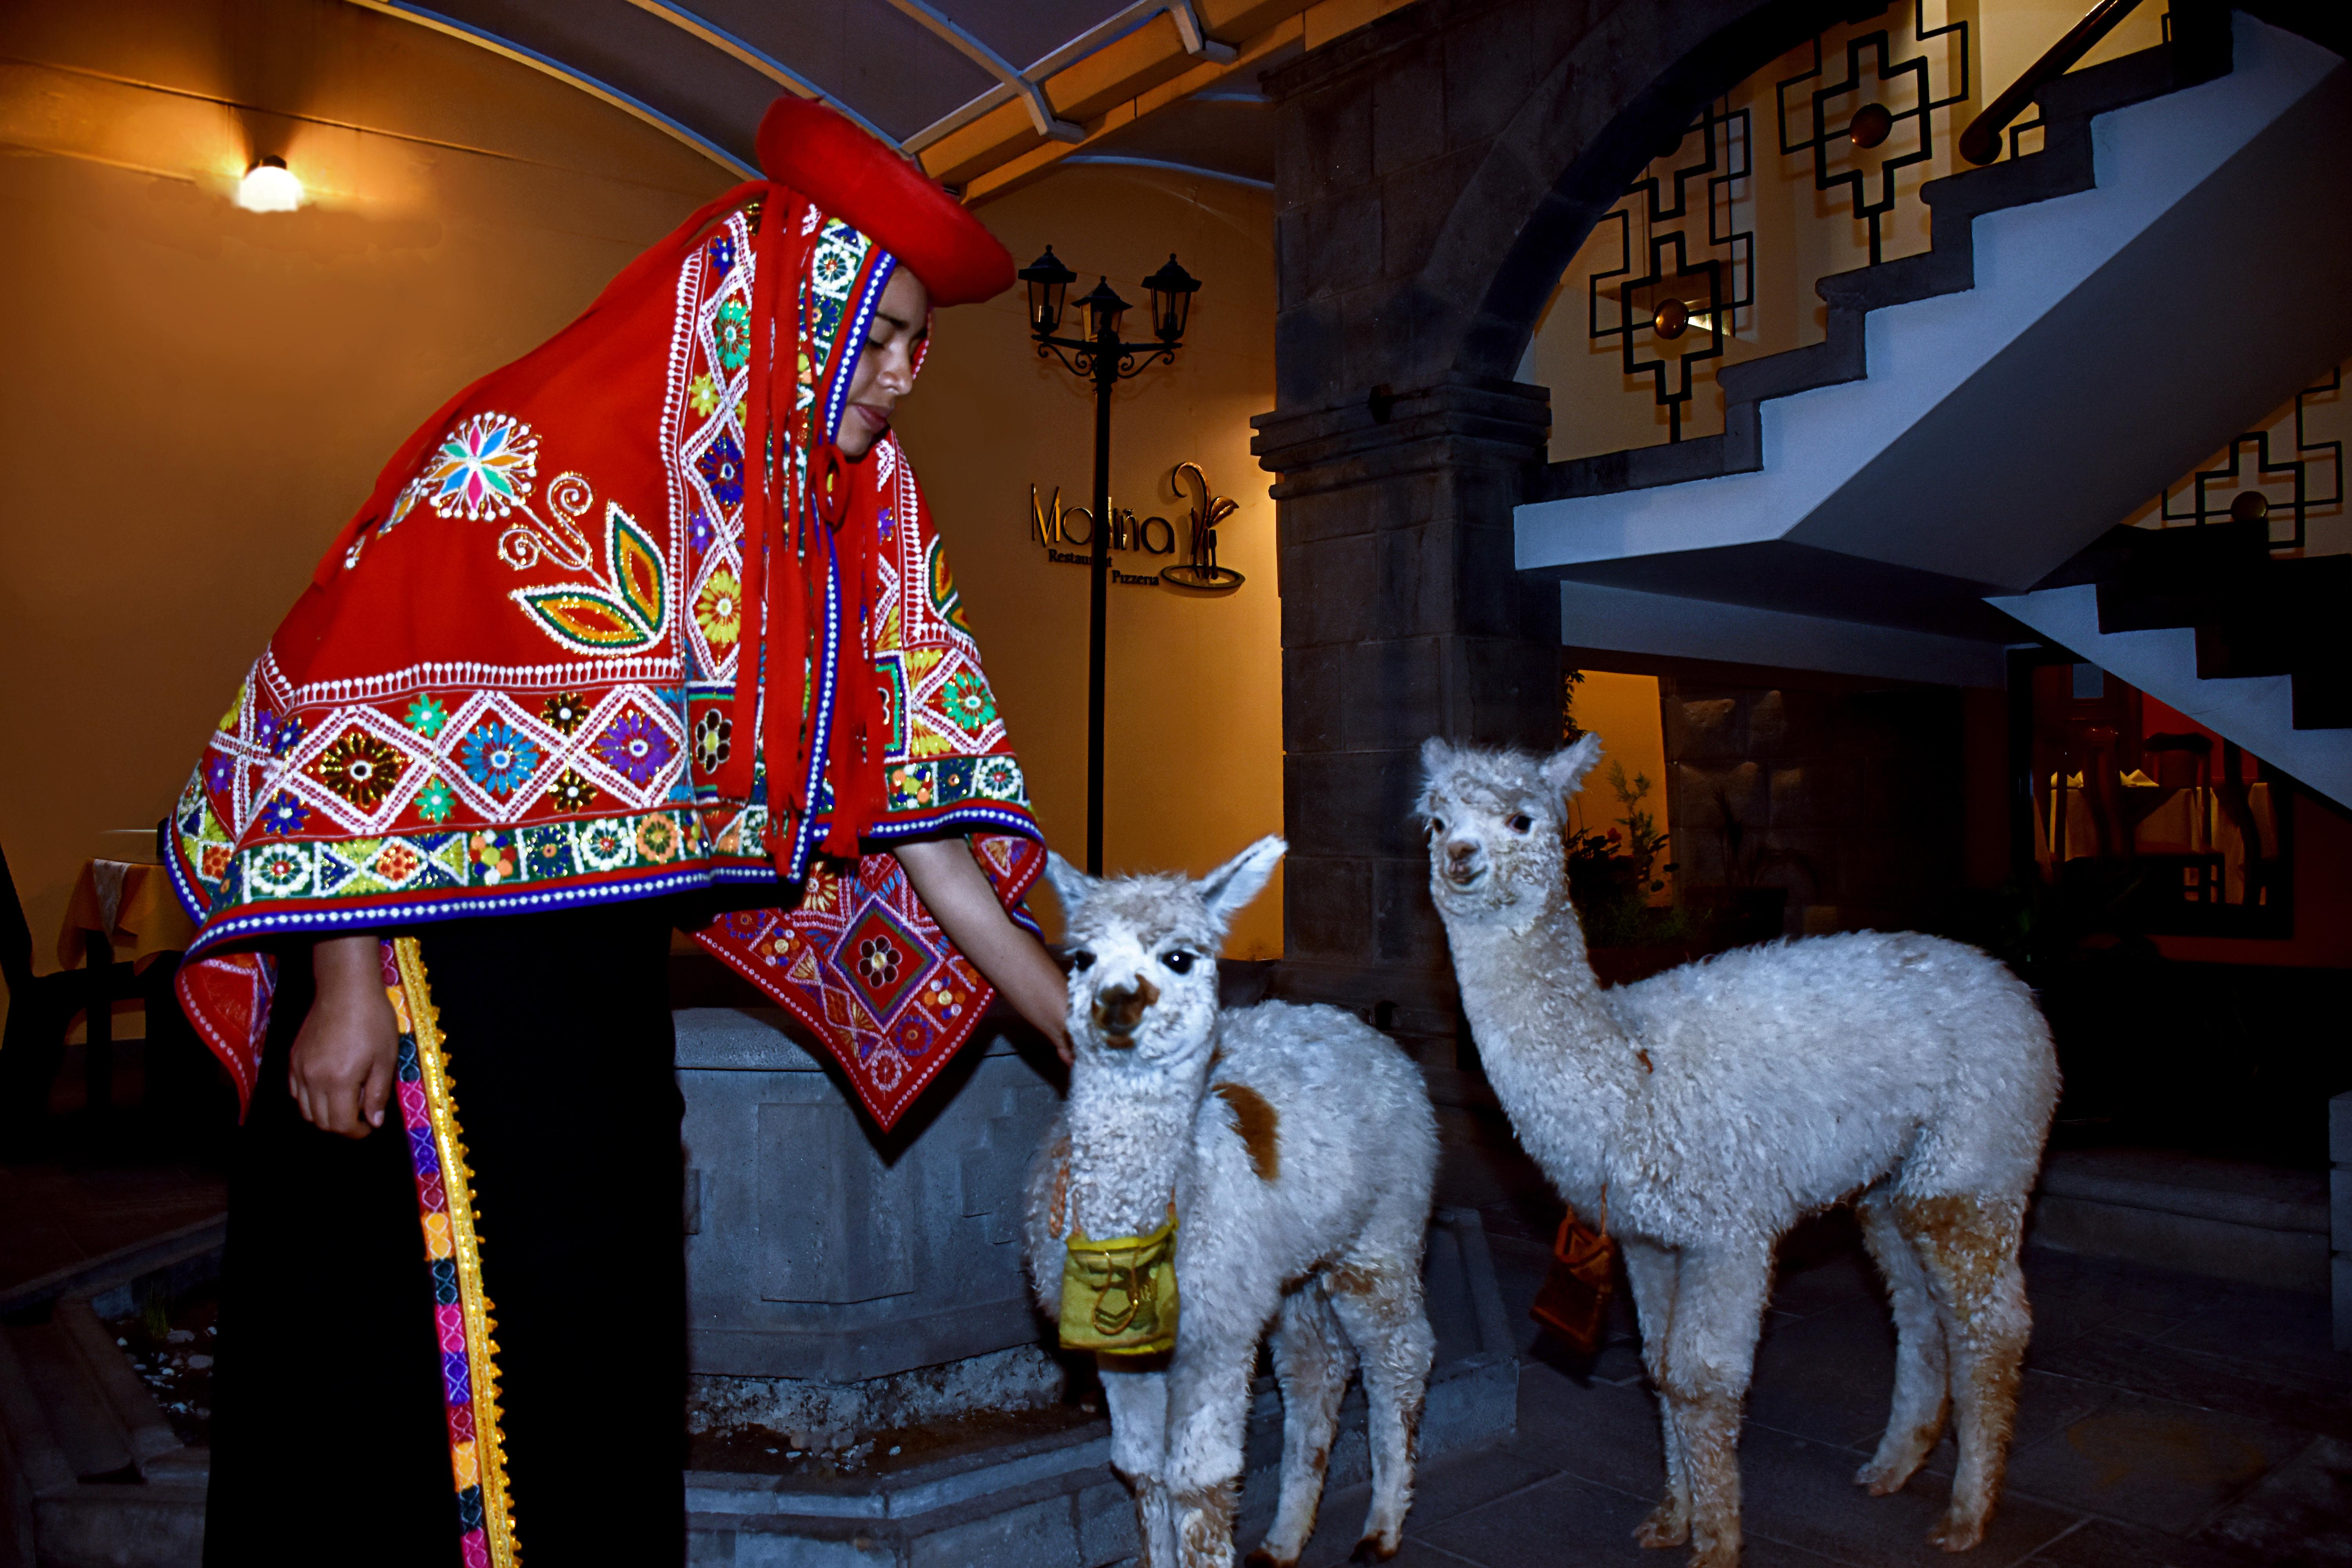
{"x": 220, "y": 774}
{"x": 434, "y": 802}
{"x": 427, "y": 717}
{"x": 498, "y": 759}
{"x": 483, "y": 468}
{"x": 733, "y": 330}
{"x": 880, "y": 959}
{"x": 359, "y": 767}
{"x": 969, "y": 701}
{"x": 396, "y": 862}
{"x": 999, "y": 778}
{"x": 565, "y": 712}
{"x": 284, "y": 814}
{"x": 288, "y": 735}
{"x": 635, "y": 748}
{"x": 712, "y": 733}
{"x": 698, "y": 530}
{"x": 722, "y": 252}
{"x": 702, "y": 396}
{"x": 721, "y": 467}
{"x": 657, "y": 839}
{"x": 717, "y": 609}
{"x": 571, "y": 792}
{"x": 911, "y": 785}
{"x": 606, "y": 845}
{"x": 490, "y": 856}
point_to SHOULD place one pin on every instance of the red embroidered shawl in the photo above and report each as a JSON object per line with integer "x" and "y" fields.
{"x": 620, "y": 622}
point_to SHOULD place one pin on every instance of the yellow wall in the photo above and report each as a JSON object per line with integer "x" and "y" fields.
{"x": 198, "y": 396}
{"x": 1622, "y": 709}
{"x": 1193, "y": 738}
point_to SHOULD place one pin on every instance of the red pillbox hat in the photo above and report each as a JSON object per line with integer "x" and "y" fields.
{"x": 821, "y": 153}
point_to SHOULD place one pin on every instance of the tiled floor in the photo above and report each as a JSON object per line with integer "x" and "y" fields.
{"x": 2167, "y": 1421}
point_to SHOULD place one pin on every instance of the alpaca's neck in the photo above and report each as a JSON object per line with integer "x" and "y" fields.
{"x": 1131, "y": 1134}
{"x": 1564, "y": 1069}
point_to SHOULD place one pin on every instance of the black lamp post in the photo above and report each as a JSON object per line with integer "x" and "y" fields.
{"x": 1099, "y": 356}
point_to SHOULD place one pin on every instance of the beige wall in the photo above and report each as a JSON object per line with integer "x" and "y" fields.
{"x": 1193, "y": 737}
{"x": 199, "y": 395}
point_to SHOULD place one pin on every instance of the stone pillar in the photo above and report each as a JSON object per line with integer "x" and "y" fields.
{"x": 2339, "y": 1215}
{"x": 1402, "y": 619}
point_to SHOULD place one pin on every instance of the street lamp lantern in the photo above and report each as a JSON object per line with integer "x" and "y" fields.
{"x": 1105, "y": 310}
{"x": 1049, "y": 284}
{"x": 1171, "y": 299}
{"x": 1100, "y": 357}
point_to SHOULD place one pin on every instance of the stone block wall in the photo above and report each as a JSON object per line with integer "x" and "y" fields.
{"x": 1435, "y": 171}
{"x": 1851, "y": 800}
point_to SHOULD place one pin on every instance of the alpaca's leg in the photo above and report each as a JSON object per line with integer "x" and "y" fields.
{"x": 1208, "y": 1408}
{"x": 1719, "y": 1309}
{"x": 1922, "y": 1368}
{"x": 1137, "y": 1402}
{"x": 1967, "y": 1246}
{"x": 1312, "y": 1363}
{"x": 1650, "y": 1269}
{"x": 1382, "y": 1310}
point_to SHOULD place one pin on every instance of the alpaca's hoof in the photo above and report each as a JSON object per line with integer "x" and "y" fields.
{"x": 1882, "y": 1480}
{"x": 1666, "y": 1526}
{"x": 1370, "y": 1549}
{"x": 1954, "y": 1533}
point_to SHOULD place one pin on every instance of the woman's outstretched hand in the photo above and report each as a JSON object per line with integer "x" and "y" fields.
{"x": 340, "y": 1069}
{"x": 957, "y": 893}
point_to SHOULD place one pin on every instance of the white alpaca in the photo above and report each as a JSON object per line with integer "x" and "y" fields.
{"x": 1706, "y": 1110}
{"x": 1297, "y": 1148}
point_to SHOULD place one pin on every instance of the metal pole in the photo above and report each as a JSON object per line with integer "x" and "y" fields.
{"x": 1106, "y": 368}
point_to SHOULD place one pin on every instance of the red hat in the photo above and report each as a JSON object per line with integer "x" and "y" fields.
{"x": 821, "y": 153}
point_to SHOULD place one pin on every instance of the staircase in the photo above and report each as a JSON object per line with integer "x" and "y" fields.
{"x": 2091, "y": 322}
{"x": 2246, "y": 643}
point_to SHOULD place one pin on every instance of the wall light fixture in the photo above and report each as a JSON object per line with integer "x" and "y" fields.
{"x": 269, "y": 187}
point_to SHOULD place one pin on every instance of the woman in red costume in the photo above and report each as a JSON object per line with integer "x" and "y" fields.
{"x": 648, "y": 628}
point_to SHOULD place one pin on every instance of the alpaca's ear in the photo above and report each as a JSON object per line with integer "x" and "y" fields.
{"x": 1072, "y": 886}
{"x": 1436, "y": 756}
{"x": 1565, "y": 769}
{"x": 1234, "y": 884}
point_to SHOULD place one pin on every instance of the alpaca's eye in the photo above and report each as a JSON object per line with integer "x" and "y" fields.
{"x": 1082, "y": 961}
{"x": 1522, "y": 822}
{"x": 1437, "y": 826}
{"x": 1179, "y": 961}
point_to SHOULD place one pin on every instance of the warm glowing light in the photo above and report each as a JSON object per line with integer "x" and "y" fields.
{"x": 269, "y": 187}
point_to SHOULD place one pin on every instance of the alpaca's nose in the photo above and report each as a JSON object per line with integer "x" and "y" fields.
{"x": 1461, "y": 861}
{"x": 1118, "y": 1010}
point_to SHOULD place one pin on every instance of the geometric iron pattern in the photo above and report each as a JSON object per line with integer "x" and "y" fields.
{"x": 1677, "y": 293}
{"x": 2250, "y": 503}
{"x": 1872, "y": 125}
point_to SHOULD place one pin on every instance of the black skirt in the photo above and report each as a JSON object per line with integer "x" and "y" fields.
{"x": 330, "y": 1438}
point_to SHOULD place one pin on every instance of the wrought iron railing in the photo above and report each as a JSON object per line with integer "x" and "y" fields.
{"x": 2245, "y": 492}
{"x": 1865, "y": 114}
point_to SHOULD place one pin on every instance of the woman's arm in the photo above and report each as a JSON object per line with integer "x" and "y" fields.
{"x": 957, "y": 893}
{"x": 341, "y": 1066}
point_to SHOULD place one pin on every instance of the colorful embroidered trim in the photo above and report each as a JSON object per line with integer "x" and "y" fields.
{"x": 461, "y": 1312}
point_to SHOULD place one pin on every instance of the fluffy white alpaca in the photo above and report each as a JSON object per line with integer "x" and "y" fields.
{"x": 1298, "y": 1149}
{"x": 1708, "y": 1109}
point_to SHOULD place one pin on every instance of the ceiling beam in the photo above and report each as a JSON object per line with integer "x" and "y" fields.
{"x": 1042, "y": 118}
{"x": 524, "y": 55}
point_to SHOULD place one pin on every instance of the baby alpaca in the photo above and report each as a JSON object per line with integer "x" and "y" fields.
{"x": 1296, "y": 1148}
{"x": 1704, "y": 1110}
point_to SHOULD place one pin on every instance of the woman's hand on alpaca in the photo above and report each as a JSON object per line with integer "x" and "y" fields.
{"x": 957, "y": 893}
{"x": 340, "y": 1069}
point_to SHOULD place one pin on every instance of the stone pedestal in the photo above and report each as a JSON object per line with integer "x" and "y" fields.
{"x": 819, "y": 1249}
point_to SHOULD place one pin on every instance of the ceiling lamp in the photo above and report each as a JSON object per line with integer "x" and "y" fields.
{"x": 269, "y": 187}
